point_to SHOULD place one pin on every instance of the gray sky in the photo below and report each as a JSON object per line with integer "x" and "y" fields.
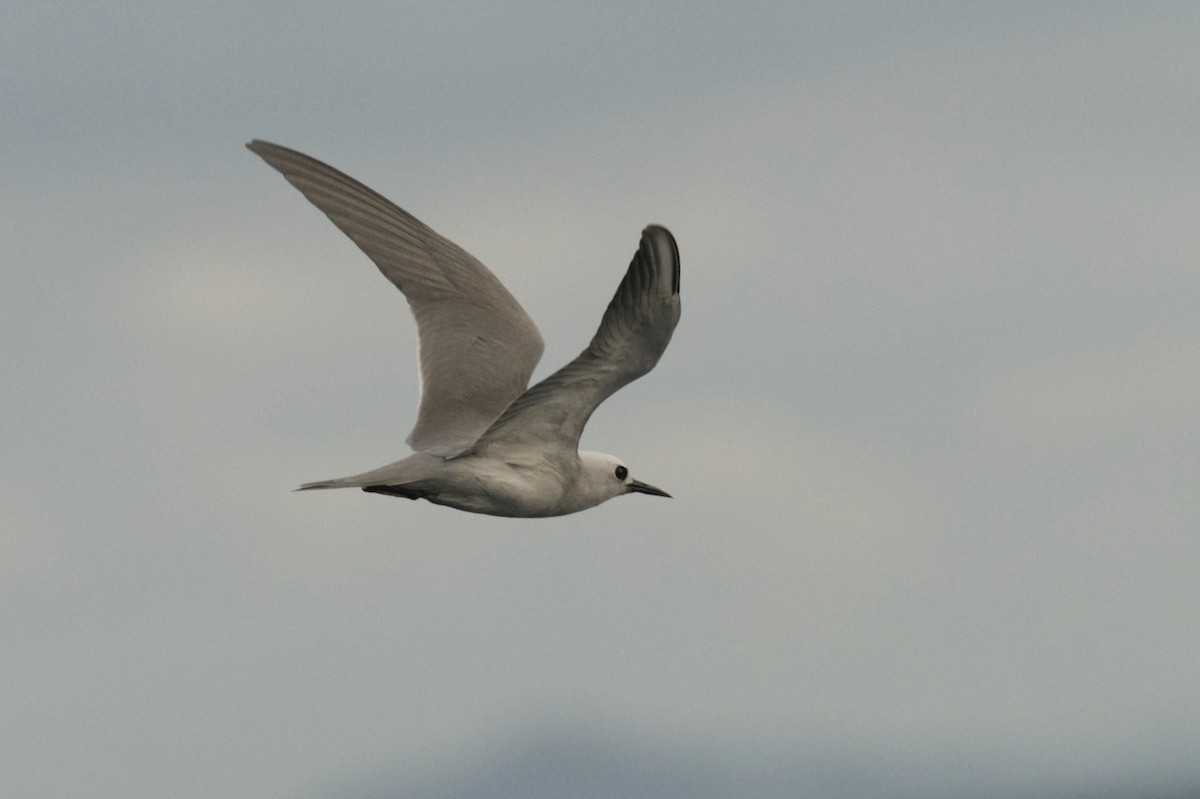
{"x": 930, "y": 416}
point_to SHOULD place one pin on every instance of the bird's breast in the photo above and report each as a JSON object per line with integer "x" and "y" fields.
{"x": 501, "y": 488}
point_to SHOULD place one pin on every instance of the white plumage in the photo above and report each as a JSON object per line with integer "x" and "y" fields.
{"x": 484, "y": 442}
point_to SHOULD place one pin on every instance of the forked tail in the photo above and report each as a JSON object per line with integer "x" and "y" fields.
{"x": 340, "y": 482}
{"x": 397, "y": 476}
{"x": 354, "y": 482}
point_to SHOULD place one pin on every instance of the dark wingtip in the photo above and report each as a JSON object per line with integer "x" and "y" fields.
{"x": 661, "y": 246}
{"x": 274, "y": 154}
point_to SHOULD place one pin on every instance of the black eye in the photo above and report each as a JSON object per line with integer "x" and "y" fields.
{"x": 621, "y": 472}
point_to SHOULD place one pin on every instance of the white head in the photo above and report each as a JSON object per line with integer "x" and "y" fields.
{"x": 604, "y": 477}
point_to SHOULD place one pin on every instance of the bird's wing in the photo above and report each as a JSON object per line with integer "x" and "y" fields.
{"x": 477, "y": 345}
{"x": 633, "y": 334}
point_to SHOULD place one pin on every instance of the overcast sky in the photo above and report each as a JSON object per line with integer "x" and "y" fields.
{"x": 929, "y": 418}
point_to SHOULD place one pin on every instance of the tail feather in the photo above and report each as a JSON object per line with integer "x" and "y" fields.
{"x": 340, "y": 482}
{"x": 412, "y": 469}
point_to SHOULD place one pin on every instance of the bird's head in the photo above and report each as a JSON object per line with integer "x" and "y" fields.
{"x": 605, "y": 476}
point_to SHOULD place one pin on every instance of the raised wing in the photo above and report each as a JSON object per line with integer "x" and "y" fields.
{"x": 477, "y": 345}
{"x": 633, "y": 334}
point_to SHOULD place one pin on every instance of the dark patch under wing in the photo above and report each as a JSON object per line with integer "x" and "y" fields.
{"x": 395, "y": 491}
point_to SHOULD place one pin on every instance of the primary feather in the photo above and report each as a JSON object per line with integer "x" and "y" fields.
{"x": 478, "y": 347}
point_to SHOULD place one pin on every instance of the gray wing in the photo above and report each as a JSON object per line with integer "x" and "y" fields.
{"x": 633, "y": 334}
{"x": 477, "y": 345}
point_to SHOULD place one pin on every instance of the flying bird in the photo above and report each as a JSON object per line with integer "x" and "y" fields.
{"x": 485, "y": 441}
